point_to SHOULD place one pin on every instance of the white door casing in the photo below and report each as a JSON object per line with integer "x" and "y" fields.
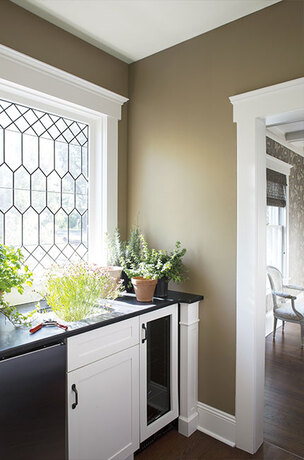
{"x": 251, "y": 111}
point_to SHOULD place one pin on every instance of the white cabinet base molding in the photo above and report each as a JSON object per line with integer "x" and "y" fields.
{"x": 188, "y": 418}
{"x": 187, "y": 426}
{"x": 216, "y": 423}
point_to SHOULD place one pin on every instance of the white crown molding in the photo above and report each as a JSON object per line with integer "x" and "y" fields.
{"x": 19, "y": 70}
{"x": 277, "y": 138}
{"x": 247, "y": 105}
{"x": 216, "y": 423}
{"x": 267, "y": 90}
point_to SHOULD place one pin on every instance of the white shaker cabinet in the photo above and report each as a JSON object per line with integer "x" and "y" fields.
{"x": 122, "y": 385}
{"x": 103, "y": 402}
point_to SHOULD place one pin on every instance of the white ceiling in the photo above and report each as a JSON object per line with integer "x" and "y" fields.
{"x": 134, "y": 29}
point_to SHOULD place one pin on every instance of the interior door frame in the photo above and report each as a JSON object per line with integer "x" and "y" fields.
{"x": 251, "y": 112}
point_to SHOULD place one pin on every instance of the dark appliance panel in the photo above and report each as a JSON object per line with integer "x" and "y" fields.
{"x": 32, "y": 405}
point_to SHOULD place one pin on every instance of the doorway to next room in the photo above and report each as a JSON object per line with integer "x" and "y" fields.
{"x": 284, "y": 355}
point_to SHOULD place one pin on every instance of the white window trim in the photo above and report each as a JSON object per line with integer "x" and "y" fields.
{"x": 284, "y": 168}
{"x": 30, "y": 82}
{"x": 250, "y": 111}
{"x": 278, "y": 165}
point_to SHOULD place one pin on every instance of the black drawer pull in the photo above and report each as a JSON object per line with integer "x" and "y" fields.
{"x": 145, "y": 329}
{"x": 76, "y": 396}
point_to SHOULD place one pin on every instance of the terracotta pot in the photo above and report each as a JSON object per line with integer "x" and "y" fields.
{"x": 144, "y": 289}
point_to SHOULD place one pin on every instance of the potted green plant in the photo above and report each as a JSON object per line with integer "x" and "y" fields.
{"x": 124, "y": 253}
{"x": 171, "y": 267}
{"x": 140, "y": 270}
{"x": 13, "y": 274}
{"x": 115, "y": 251}
{"x": 75, "y": 292}
{"x": 159, "y": 265}
{"x": 132, "y": 256}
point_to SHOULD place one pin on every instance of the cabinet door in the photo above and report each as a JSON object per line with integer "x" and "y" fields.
{"x": 104, "y": 423}
{"x": 158, "y": 370}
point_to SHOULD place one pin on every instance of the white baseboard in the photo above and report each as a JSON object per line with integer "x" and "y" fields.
{"x": 187, "y": 426}
{"x": 216, "y": 423}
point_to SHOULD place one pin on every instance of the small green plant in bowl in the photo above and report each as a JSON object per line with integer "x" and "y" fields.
{"x": 13, "y": 274}
{"x": 75, "y": 292}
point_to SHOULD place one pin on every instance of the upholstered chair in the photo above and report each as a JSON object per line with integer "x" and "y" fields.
{"x": 286, "y": 306}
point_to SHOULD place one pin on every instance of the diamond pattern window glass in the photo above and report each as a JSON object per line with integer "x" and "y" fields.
{"x": 43, "y": 185}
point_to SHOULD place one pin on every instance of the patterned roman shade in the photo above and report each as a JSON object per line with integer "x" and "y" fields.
{"x": 276, "y": 189}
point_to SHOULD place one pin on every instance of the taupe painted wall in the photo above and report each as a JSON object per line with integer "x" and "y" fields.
{"x": 182, "y": 161}
{"x": 31, "y": 35}
{"x": 181, "y": 181}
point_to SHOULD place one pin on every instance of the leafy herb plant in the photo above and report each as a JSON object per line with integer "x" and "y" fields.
{"x": 156, "y": 264}
{"x": 115, "y": 247}
{"x": 75, "y": 292}
{"x": 13, "y": 274}
{"x": 133, "y": 253}
{"x": 128, "y": 251}
{"x": 124, "y": 253}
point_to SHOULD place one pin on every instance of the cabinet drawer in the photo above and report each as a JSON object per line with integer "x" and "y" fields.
{"x": 91, "y": 346}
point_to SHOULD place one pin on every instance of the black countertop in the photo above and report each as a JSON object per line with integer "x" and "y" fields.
{"x": 17, "y": 340}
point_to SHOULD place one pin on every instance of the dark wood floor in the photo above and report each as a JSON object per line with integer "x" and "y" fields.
{"x": 174, "y": 446}
{"x": 284, "y": 390}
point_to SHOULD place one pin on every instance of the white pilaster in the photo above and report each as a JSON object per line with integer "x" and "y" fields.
{"x": 188, "y": 418}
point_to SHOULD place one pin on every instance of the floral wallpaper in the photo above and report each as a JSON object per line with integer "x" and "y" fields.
{"x": 296, "y": 208}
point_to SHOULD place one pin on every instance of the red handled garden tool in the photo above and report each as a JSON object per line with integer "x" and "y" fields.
{"x": 46, "y": 324}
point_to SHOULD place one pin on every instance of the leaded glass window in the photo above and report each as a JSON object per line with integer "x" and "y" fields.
{"x": 43, "y": 185}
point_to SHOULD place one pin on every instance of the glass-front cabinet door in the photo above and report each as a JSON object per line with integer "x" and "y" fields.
{"x": 159, "y": 370}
